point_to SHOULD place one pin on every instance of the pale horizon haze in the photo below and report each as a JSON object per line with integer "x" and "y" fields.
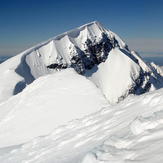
{"x": 26, "y": 23}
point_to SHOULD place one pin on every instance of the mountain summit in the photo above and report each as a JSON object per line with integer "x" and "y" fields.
{"x": 92, "y": 51}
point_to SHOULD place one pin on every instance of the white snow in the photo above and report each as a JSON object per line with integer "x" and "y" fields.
{"x": 121, "y": 65}
{"x": 126, "y": 132}
{"x": 8, "y": 78}
{"x": 59, "y": 116}
{"x": 48, "y": 102}
{"x": 108, "y": 78}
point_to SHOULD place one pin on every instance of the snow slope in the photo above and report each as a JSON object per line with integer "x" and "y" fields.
{"x": 55, "y": 102}
{"x": 89, "y": 49}
{"x": 48, "y": 102}
{"x": 141, "y": 141}
{"x": 108, "y": 78}
{"x": 130, "y": 131}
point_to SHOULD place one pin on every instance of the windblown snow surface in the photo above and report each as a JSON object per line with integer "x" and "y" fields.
{"x": 74, "y": 99}
{"x": 131, "y": 131}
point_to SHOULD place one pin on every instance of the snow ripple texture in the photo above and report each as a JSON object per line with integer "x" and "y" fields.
{"x": 128, "y": 132}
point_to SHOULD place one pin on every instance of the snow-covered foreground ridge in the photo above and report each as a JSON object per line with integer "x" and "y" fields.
{"x": 46, "y": 103}
{"x": 93, "y": 51}
{"x": 131, "y": 131}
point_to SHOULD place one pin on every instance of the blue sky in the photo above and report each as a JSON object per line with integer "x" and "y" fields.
{"x": 24, "y": 23}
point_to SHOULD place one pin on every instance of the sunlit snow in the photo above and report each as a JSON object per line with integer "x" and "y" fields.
{"x": 81, "y": 97}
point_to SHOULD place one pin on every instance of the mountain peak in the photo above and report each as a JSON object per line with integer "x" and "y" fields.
{"x": 94, "y": 26}
{"x": 92, "y": 23}
{"x": 92, "y": 51}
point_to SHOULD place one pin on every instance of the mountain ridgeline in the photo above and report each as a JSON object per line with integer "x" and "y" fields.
{"x": 92, "y": 51}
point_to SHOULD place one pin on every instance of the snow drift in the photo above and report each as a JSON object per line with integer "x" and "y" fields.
{"x": 92, "y": 51}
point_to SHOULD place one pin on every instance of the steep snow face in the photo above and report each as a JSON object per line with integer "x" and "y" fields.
{"x": 10, "y": 81}
{"x": 113, "y": 84}
{"x": 92, "y": 51}
{"x": 81, "y": 49}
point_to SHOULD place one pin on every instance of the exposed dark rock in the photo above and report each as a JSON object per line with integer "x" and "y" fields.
{"x": 138, "y": 88}
{"x": 95, "y": 52}
{"x": 57, "y": 66}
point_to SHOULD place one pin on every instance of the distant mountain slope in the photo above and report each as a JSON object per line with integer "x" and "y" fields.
{"x": 92, "y": 51}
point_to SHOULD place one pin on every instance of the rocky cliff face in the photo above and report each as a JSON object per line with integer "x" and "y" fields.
{"x": 94, "y": 53}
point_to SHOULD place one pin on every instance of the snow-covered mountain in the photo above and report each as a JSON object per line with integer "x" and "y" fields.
{"x": 93, "y": 51}
{"x": 56, "y": 102}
